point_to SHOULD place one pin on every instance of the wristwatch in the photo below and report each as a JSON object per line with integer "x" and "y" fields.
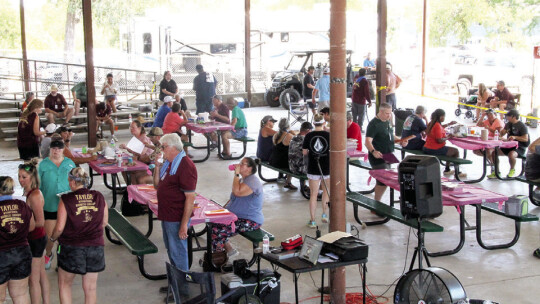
{"x": 237, "y": 175}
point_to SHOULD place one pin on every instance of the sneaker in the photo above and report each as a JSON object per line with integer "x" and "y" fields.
{"x": 492, "y": 175}
{"x": 512, "y": 173}
{"x": 48, "y": 261}
{"x": 324, "y": 218}
{"x": 536, "y": 253}
{"x": 448, "y": 173}
{"x": 114, "y": 138}
{"x": 312, "y": 224}
{"x": 232, "y": 253}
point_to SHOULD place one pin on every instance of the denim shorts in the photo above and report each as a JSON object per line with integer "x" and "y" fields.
{"x": 239, "y": 133}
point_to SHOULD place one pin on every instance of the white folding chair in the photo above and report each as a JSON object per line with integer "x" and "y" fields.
{"x": 298, "y": 110}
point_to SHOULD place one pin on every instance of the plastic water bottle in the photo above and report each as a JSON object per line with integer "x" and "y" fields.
{"x": 496, "y": 135}
{"x": 113, "y": 145}
{"x": 266, "y": 244}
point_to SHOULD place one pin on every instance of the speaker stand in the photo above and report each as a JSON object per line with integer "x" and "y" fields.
{"x": 420, "y": 251}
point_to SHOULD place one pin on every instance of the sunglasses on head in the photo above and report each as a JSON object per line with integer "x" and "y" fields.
{"x": 26, "y": 167}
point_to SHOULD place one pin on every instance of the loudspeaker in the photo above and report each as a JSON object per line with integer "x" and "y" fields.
{"x": 420, "y": 187}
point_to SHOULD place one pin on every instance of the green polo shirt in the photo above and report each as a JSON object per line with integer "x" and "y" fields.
{"x": 54, "y": 180}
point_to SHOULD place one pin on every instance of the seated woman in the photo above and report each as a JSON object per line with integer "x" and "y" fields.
{"x": 266, "y": 133}
{"x": 436, "y": 140}
{"x": 137, "y": 130}
{"x": 492, "y": 124}
{"x": 484, "y": 97}
{"x": 280, "y": 152}
{"x": 173, "y": 123}
{"x": 246, "y": 202}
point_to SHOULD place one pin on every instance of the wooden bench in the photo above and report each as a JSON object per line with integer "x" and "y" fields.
{"x": 494, "y": 208}
{"x": 138, "y": 244}
{"x": 281, "y": 171}
{"x": 256, "y": 236}
{"x": 531, "y": 188}
{"x": 362, "y": 165}
{"x": 455, "y": 161}
{"x": 388, "y": 211}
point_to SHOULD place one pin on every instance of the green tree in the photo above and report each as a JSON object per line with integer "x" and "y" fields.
{"x": 9, "y": 26}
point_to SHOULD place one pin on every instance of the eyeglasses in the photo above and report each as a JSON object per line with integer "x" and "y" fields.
{"x": 25, "y": 167}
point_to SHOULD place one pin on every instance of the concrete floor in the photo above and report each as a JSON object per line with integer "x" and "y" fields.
{"x": 505, "y": 276}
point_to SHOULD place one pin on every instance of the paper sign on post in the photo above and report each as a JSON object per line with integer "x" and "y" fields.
{"x": 135, "y": 145}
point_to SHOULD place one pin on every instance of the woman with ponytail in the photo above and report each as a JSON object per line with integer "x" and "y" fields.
{"x": 28, "y": 132}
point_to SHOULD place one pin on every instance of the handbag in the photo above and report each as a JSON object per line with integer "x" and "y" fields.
{"x": 217, "y": 260}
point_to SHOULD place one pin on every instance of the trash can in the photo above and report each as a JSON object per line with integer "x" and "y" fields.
{"x": 401, "y": 115}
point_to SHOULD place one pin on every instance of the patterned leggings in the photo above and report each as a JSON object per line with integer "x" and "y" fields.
{"x": 221, "y": 233}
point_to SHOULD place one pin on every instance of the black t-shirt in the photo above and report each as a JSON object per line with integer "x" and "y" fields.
{"x": 518, "y": 129}
{"x": 308, "y": 92}
{"x": 318, "y": 144}
{"x": 170, "y": 86}
{"x": 414, "y": 125}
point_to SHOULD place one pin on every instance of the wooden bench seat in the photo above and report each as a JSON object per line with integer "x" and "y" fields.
{"x": 255, "y": 237}
{"x": 531, "y": 189}
{"x": 387, "y": 211}
{"x": 137, "y": 244}
{"x": 494, "y": 208}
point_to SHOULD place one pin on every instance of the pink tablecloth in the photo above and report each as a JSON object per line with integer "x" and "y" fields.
{"x": 476, "y": 143}
{"x": 145, "y": 194}
{"x": 470, "y": 194}
{"x": 357, "y": 154}
{"x": 208, "y": 127}
{"x": 99, "y": 167}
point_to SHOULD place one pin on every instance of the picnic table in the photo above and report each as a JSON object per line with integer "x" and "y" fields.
{"x": 205, "y": 128}
{"x": 147, "y": 195}
{"x": 102, "y": 167}
{"x": 469, "y": 195}
{"x": 476, "y": 143}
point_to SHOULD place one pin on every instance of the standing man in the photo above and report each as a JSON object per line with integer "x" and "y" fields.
{"x": 516, "y": 130}
{"x": 309, "y": 85}
{"x": 380, "y": 142}
{"x": 175, "y": 181}
{"x": 392, "y": 82}
{"x": 323, "y": 89}
{"x": 163, "y": 111}
{"x": 503, "y": 98}
{"x": 204, "y": 85}
{"x": 56, "y": 106}
{"x": 360, "y": 97}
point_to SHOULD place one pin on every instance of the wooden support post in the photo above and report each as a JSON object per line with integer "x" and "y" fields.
{"x": 89, "y": 59}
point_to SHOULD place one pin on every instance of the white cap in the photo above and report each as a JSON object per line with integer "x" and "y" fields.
{"x": 54, "y": 88}
{"x": 326, "y": 70}
{"x": 168, "y": 99}
{"x": 50, "y": 128}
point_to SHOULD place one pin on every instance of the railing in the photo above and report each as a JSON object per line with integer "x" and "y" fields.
{"x": 132, "y": 83}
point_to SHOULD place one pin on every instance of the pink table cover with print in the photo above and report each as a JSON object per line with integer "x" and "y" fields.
{"x": 467, "y": 195}
{"x": 476, "y": 143}
{"x": 99, "y": 167}
{"x": 146, "y": 194}
{"x": 208, "y": 127}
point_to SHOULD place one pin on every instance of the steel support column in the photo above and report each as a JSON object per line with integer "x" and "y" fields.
{"x": 338, "y": 131}
{"x": 381, "y": 54}
{"x": 247, "y": 47}
{"x": 26, "y": 69}
{"x": 89, "y": 59}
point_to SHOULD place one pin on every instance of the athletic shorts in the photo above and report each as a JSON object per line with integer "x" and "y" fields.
{"x": 441, "y": 151}
{"x": 81, "y": 259}
{"x": 37, "y": 246}
{"x": 50, "y": 215}
{"x": 520, "y": 151}
{"x": 15, "y": 264}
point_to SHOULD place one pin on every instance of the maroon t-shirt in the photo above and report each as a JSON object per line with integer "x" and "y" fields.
{"x": 171, "y": 190}
{"x": 56, "y": 103}
{"x": 25, "y": 132}
{"x": 505, "y": 95}
{"x": 103, "y": 110}
{"x": 84, "y": 225}
{"x": 15, "y": 218}
{"x": 223, "y": 110}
